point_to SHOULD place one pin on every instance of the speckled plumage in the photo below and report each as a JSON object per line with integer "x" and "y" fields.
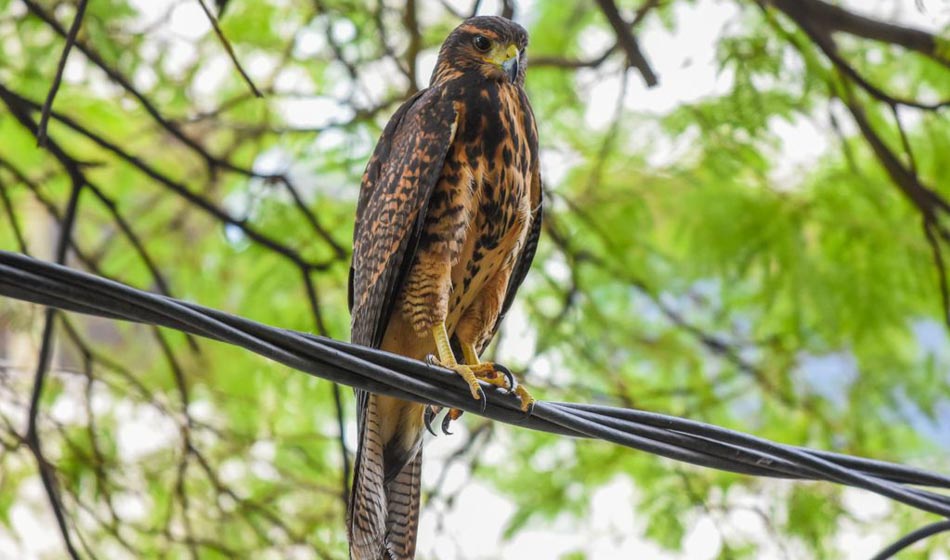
{"x": 447, "y": 223}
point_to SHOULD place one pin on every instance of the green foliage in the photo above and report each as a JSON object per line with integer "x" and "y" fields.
{"x": 686, "y": 268}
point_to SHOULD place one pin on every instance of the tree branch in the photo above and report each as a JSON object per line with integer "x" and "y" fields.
{"x": 627, "y": 41}
{"x": 48, "y": 105}
{"x": 836, "y": 18}
{"x": 227, "y": 47}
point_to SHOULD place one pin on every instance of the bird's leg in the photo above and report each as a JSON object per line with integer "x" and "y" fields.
{"x": 447, "y": 360}
{"x": 472, "y": 371}
{"x": 494, "y": 374}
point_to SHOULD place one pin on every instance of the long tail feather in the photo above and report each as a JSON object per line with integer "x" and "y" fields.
{"x": 402, "y": 520}
{"x": 384, "y": 503}
{"x": 366, "y": 523}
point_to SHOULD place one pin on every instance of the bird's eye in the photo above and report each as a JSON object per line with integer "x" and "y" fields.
{"x": 481, "y": 43}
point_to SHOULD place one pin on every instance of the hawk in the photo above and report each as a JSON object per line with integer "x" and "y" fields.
{"x": 447, "y": 224}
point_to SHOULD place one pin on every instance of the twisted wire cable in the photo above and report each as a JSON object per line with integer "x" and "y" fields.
{"x": 697, "y": 443}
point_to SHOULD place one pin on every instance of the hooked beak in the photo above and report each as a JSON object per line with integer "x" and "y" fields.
{"x": 511, "y": 68}
{"x": 507, "y": 58}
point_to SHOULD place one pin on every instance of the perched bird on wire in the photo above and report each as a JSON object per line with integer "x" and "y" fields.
{"x": 447, "y": 225}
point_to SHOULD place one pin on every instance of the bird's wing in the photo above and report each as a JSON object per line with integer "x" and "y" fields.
{"x": 395, "y": 192}
{"x": 390, "y": 213}
{"x": 394, "y": 195}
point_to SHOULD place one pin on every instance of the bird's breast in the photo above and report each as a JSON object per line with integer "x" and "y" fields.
{"x": 501, "y": 208}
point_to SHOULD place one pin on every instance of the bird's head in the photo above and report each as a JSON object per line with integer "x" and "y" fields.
{"x": 490, "y": 46}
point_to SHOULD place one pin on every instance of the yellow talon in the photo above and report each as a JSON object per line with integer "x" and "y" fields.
{"x": 497, "y": 375}
{"x": 527, "y": 401}
{"x": 472, "y": 372}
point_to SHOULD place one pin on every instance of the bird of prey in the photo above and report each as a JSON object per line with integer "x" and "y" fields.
{"x": 447, "y": 225}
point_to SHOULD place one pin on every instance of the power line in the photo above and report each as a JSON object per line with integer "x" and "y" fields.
{"x": 706, "y": 445}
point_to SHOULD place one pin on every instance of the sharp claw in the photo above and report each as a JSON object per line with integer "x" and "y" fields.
{"x": 445, "y": 424}
{"x": 432, "y": 360}
{"x": 427, "y": 419}
{"x": 508, "y": 376}
{"x": 482, "y": 400}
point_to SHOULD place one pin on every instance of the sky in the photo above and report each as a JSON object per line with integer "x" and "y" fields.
{"x": 471, "y": 528}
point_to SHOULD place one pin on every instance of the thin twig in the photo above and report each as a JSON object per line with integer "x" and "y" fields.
{"x": 826, "y": 43}
{"x": 941, "y": 270}
{"x": 48, "y": 105}
{"x": 227, "y": 47}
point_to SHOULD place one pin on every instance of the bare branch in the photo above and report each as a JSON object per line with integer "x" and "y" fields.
{"x": 627, "y": 41}
{"x": 819, "y": 32}
{"x": 837, "y": 18}
{"x": 48, "y": 105}
{"x": 227, "y": 47}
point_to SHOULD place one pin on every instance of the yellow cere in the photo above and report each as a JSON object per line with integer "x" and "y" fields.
{"x": 502, "y": 53}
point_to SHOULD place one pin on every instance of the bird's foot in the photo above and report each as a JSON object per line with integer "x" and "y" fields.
{"x": 527, "y": 401}
{"x": 491, "y": 373}
{"x": 467, "y": 373}
{"x": 500, "y": 376}
{"x": 494, "y": 374}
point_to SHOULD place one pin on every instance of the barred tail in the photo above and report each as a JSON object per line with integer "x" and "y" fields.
{"x": 366, "y": 522}
{"x": 383, "y": 516}
{"x": 402, "y": 520}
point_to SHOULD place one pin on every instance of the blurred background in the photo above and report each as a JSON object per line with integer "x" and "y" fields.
{"x": 757, "y": 241}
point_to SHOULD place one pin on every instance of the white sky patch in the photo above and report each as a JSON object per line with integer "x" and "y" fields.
{"x": 178, "y": 56}
{"x": 293, "y": 79}
{"x": 274, "y": 160}
{"x": 144, "y": 78}
{"x": 313, "y": 112}
{"x": 142, "y": 430}
{"x": 933, "y": 17}
{"x": 557, "y": 162}
{"x": 68, "y": 407}
{"x": 132, "y": 507}
{"x": 379, "y": 77}
{"x": 684, "y": 61}
{"x": 201, "y": 410}
{"x": 209, "y": 80}
{"x": 189, "y": 21}
{"x": 75, "y": 70}
{"x": 309, "y": 42}
{"x": 258, "y": 65}
{"x": 149, "y": 12}
{"x": 473, "y": 525}
{"x": 232, "y": 471}
{"x": 518, "y": 338}
{"x": 660, "y": 149}
{"x": 33, "y": 523}
{"x": 803, "y": 142}
{"x": 425, "y": 63}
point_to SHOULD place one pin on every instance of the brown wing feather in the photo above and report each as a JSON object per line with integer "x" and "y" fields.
{"x": 394, "y": 195}
{"x": 370, "y": 177}
{"x": 395, "y": 191}
{"x": 396, "y": 188}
